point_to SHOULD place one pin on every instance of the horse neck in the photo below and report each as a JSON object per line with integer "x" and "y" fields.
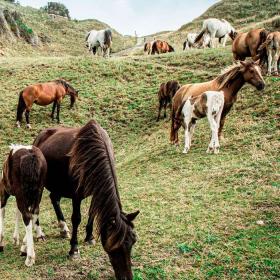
{"x": 231, "y": 91}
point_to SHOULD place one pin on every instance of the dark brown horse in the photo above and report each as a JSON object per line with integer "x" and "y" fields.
{"x": 24, "y": 174}
{"x": 230, "y": 82}
{"x": 81, "y": 164}
{"x": 165, "y": 95}
{"x": 44, "y": 94}
{"x": 161, "y": 47}
{"x": 247, "y": 44}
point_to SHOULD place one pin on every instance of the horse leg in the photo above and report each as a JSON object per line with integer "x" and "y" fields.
{"x": 16, "y": 231}
{"x": 64, "y": 230}
{"x": 212, "y": 38}
{"x": 193, "y": 123}
{"x": 275, "y": 64}
{"x": 76, "y": 220}
{"x": 177, "y": 127}
{"x": 38, "y": 230}
{"x": 187, "y": 138}
{"x": 269, "y": 62}
{"x": 214, "y": 143}
{"x": 29, "y": 248}
{"x": 225, "y": 40}
{"x": 89, "y": 229}
{"x": 58, "y": 110}
{"x": 159, "y": 109}
{"x": 27, "y": 113}
{"x": 53, "y": 110}
{"x": 3, "y": 203}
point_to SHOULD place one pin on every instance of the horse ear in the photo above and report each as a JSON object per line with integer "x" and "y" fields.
{"x": 258, "y": 62}
{"x": 132, "y": 216}
{"x": 243, "y": 63}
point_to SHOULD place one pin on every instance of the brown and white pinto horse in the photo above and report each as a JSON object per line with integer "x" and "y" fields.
{"x": 230, "y": 82}
{"x": 44, "y": 94}
{"x": 165, "y": 95}
{"x": 247, "y": 44}
{"x": 24, "y": 174}
{"x": 81, "y": 164}
{"x": 161, "y": 47}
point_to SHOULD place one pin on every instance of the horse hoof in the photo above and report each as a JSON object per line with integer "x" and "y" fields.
{"x": 23, "y": 254}
{"x": 41, "y": 238}
{"x": 29, "y": 261}
{"x": 185, "y": 151}
{"x": 18, "y": 124}
{"x": 16, "y": 241}
{"x": 28, "y": 126}
{"x": 1, "y": 248}
{"x": 74, "y": 255}
{"x": 90, "y": 242}
{"x": 65, "y": 234}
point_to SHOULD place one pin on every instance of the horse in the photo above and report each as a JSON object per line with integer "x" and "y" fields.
{"x": 270, "y": 51}
{"x": 210, "y": 104}
{"x": 165, "y": 95}
{"x": 102, "y": 39}
{"x": 161, "y": 47}
{"x": 247, "y": 44}
{"x": 148, "y": 47}
{"x": 44, "y": 94}
{"x": 23, "y": 176}
{"x": 81, "y": 164}
{"x": 216, "y": 29}
{"x": 202, "y": 43}
{"x": 230, "y": 82}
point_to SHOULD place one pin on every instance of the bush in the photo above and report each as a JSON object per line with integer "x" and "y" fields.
{"x": 57, "y": 9}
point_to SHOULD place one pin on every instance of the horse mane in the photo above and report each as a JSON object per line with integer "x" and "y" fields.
{"x": 92, "y": 168}
{"x": 66, "y": 85}
{"x": 228, "y": 75}
{"x": 87, "y": 36}
{"x": 107, "y": 36}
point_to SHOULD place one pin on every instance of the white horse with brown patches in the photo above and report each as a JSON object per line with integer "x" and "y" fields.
{"x": 210, "y": 104}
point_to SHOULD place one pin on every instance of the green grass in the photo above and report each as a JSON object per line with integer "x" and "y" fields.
{"x": 199, "y": 212}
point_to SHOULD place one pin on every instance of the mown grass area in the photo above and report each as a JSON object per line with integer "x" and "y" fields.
{"x": 199, "y": 212}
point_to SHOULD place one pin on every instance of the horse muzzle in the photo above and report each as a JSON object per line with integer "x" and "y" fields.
{"x": 260, "y": 86}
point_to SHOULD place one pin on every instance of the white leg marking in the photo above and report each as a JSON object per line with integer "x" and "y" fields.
{"x": 16, "y": 231}
{"x": 30, "y": 259}
{"x": 269, "y": 63}
{"x": 18, "y": 124}
{"x": 38, "y": 230}
{"x": 64, "y": 230}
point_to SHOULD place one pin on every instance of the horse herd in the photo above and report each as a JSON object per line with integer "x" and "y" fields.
{"x": 77, "y": 163}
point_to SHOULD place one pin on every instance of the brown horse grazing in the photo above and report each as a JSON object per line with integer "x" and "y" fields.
{"x": 230, "y": 82}
{"x": 165, "y": 95}
{"x": 247, "y": 44}
{"x": 44, "y": 94}
{"x": 24, "y": 174}
{"x": 81, "y": 164}
{"x": 161, "y": 47}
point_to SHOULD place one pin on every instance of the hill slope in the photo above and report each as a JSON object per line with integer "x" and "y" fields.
{"x": 67, "y": 37}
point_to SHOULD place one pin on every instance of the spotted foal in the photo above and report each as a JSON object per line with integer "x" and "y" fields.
{"x": 209, "y": 104}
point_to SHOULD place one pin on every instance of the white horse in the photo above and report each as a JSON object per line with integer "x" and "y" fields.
{"x": 272, "y": 44}
{"x": 189, "y": 43}
{"x": 216, "y": 29}
{"x": 102, "y": 39}
{"x": 210, "y": 104}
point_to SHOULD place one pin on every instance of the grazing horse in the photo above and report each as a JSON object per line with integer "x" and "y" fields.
{"x": 23, "y": 176}
{"x": 81, "y": 164}
{"x": 102, "y": 39}
{"x": 247, "y": 44}
{"x": 202, "y": 43}
{"x": 148, "y": 47}
{"x": 230, "y": 82}
{"x": 209, "y": 104}
{"x": 216, "y": 29}
{"x": 165, "y": 95}
{"x": 161, "y": 47}
{"x": 270, "y": 51}
{"x": 44, "y": 94}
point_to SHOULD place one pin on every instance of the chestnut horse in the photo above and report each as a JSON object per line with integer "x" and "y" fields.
{"x": 230, "y": 82}
{"x": 44, "y": 94}
{"x": 24, "y": 174}
{"x": 81, "y": 164}
{"x": 165, "y": 95}
{"x": 148, "y": 47}
{"x": 161, "y": 47}
{"x": 247, "y": 44}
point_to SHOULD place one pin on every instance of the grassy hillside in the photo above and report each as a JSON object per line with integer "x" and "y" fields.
{"x": 67, "y": 37}
{"x": 243, "y": 15}
{"x": 199, "y": 212}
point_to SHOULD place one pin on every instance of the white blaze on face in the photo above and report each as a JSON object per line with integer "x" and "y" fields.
{"x": 258, "y": 70}
{"x": 16, "y": 147}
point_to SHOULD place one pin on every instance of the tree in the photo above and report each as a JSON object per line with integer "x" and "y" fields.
{"x": 11, "y": 1}
{"x": 57, "y": 8}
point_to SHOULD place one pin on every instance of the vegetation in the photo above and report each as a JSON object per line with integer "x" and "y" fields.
{"x": 57, "y": 9}
{"x": 200, "y": 213}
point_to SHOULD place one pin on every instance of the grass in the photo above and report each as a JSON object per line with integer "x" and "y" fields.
{"x": 199, "y": 212}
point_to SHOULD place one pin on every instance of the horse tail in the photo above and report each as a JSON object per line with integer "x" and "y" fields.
{"x": 20, "y": 107}
{"x": 170, "y": 48}
{"x": 179, "y": 110}
{"x": 30, "y": 175}
{"x": 154, "y": 47}
{"x": 200, "y": 35}
{"x": 108, "y": 37}
{"x": 263, "y": 36}
{"x": 87, "y": 36}
{"x": 146, "y": 47}
{"x": 184, "y": 45}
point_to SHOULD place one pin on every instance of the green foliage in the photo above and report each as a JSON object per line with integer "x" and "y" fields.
{"x": 57, "y": 9}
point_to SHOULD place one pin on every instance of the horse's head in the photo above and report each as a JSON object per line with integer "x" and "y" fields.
{"x": 232, "y": 34}
{"x": 171, "y": 49}
{"x": 74, "y": 94}
{"x": 251, "y": 72}
{"x": 117, "y": 238}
